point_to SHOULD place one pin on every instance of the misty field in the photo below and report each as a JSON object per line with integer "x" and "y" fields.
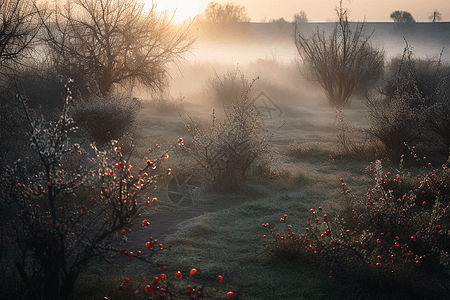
{"x": 303, "y": 170}
{"x": 232, "y": 165}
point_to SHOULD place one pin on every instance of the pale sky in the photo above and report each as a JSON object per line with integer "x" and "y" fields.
{"x": 316, "y": 10}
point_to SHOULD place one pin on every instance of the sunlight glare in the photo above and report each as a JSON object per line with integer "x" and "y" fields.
{"x": 183, "y": 9}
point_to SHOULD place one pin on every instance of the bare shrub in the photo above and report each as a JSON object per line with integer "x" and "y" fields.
{"x": 396, "y": 119}
{"x": 167, "y": 104}
{"x": 353, "y": 142}
{"x": 427, "y": 80}
{"x": 412, "y": 104}
{"x": 394, "y": 124}
{"x": 106, "y": 117}
{"x": 437, "y": 118}
{"x": 343, "y": 63}
{"x": 229, "y": 88}
{"x": 227, "y": 148}
{"x": 428, "y": 76}
{"x": 43, "y": 89}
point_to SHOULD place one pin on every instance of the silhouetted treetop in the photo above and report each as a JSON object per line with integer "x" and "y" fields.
{"x": 226, "y": 13}
{"x": 401, "y": 16}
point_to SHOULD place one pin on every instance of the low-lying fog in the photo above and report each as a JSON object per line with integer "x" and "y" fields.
{"x": 268, "y": 51}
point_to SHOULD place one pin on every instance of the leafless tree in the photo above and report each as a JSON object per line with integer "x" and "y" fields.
{"x": 224, "y": 14}
{"x": 117, "y": 42}
{"x": 19, "y": 25}
{"x": 341, "y": 63}
{"x": 435, "y": 16}
{"x": 219, "y": 22}
{"x": 300, "y": 17}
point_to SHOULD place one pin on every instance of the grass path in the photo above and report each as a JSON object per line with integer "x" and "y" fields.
{"x": 222, "y": 234}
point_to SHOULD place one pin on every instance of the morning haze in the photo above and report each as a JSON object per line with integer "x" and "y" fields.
{"x": 224, "y": 151}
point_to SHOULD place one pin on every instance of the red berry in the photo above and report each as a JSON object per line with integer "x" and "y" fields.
{"x": 220, "y": 278}
{"x": 130, "y": 255}
{"x": 397, "y": 244}
{"x": 413, "y": 238}
{"x": 193, "y": 272}
{"x": 148, "y": 288}
{"x": 156, "y": 280}
{"x": 178, "y": 275}
{"x": 127, "y": 280}
{"x": 230, "y": 295}
{"x": 418, "y": 262}
{"x": 121, "y": 287}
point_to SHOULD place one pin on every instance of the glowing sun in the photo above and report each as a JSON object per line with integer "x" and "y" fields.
{"x": 183, "y": 9}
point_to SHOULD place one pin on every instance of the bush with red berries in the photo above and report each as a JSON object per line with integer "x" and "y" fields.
{"x": 61, "y": 207}
{"x": 184, "y": 286}
{"x": 384, "y": 242}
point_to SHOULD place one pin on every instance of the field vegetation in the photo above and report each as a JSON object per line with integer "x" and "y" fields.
{"x": 255, "y": 185}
